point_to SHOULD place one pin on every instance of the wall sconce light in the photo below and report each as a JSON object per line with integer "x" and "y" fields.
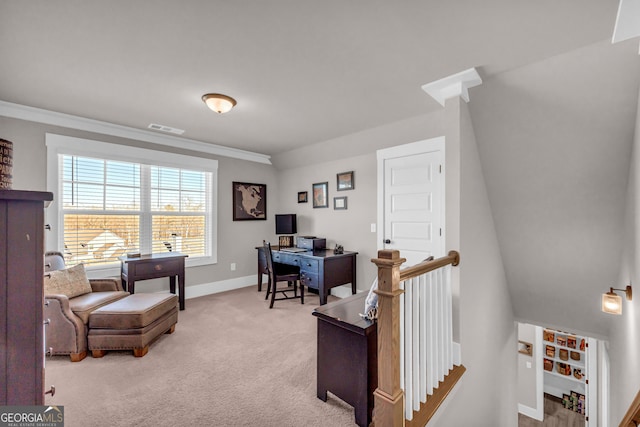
{"x": 218, "y": 102}
{"x": 612, "y": 302}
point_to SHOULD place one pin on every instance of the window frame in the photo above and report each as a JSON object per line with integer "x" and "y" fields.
{"x": 60, "y": 144}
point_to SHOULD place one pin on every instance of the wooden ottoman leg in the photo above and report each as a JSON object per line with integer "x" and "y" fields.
{"x": 98, "y": 353}
{"x": 172, "y": 329}
{"x": 140, "y": 352}
{"x": 76, "y": 357}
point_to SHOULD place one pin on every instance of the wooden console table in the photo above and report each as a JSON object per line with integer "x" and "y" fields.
{"x": 153, "y": 266}
{"x": 348, "y": 355}
{"x": 320, "y": 269}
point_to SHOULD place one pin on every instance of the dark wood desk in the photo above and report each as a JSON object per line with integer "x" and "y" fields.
{"x": 348, "y": 355}
{"x": 168, "y": 264}
{"x": 319, "y": 269}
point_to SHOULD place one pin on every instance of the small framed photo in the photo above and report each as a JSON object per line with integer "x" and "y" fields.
{"x": 340, "y": 203}
{"x": 249, "y": 201}
{"x": 345, "y": 181}
{"x": 525, "y": 348}
{"x": 302, "y": 197}
{"x": 321, "y": 195}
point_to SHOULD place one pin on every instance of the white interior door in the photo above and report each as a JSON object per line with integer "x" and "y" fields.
{"x": 411, "y": 188}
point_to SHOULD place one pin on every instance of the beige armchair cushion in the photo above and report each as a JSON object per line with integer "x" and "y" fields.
{"x": 71, "y": 282}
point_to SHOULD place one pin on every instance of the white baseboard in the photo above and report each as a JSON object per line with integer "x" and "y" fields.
{"x": 220, "y": 286}
{"x": 216, "y": 287}
{"x": 341, "y": 291}
{"x": 530, "y": 412}
{"x": 203, "y": 289}
{"x": 457, "y": 354}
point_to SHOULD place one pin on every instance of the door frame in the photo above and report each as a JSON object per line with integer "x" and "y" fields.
{"x": 413, "y": 148}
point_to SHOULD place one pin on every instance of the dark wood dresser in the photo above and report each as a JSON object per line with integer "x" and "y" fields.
{"x": 348, "y": 355}
{"x": 21, "y": 296}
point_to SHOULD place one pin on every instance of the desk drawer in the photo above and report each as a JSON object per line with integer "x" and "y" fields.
{"x": 290, "y": 259}
{"x": 159, "y": 268}
{"x": 309, "y": 265}
{"x": 309, "y": 280}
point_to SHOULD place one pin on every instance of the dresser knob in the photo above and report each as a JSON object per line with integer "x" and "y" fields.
{"x": 158, "y": 267}
{"x": 52, "y": 391}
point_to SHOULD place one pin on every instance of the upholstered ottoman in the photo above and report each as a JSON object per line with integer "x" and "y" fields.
{"x": 132, "y": 323}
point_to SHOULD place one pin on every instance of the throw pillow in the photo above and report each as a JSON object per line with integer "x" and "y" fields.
{"x": 71, "y": 282}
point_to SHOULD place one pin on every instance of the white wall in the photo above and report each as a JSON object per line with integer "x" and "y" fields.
{"x": 487, "y": 329}
{"x": 624, "y": 350}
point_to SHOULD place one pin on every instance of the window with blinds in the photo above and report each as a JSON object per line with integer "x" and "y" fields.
{"x": 110, "y": 208}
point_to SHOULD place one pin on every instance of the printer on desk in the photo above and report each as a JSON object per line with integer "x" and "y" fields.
{"x": 311, "y": 243}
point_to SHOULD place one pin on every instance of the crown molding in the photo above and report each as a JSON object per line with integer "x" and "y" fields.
{"x": 454, "y": 85}
{"x": 38, "y": 115}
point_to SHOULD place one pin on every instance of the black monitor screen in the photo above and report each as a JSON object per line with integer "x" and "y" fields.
{"x": 286, "y": 224}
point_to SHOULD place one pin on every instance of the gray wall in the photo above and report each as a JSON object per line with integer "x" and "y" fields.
{"x": 487, "y": 328}
{"x": 351, "y": 228}
{"x": 236, "y": 240}
{"x": 527, "y": 387}
{"x": 624, "y": 335}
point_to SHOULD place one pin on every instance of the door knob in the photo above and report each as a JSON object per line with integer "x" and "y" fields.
{"x": 52, "y": 391}
{"x": 387, "y": 242}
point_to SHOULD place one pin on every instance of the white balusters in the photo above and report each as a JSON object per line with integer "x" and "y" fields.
{"x": 426, "y": 335}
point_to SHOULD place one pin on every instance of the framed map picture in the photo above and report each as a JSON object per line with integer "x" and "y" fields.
{"x": 249, "y": 201}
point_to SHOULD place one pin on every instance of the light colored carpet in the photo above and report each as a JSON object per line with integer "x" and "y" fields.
{"x": 230, "y": 362}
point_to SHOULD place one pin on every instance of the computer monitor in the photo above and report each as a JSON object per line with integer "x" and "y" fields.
{"x": 286, "y": 224}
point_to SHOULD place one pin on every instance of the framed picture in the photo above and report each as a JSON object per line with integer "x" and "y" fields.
{"x": 249, "y": 201}
{"x": 525, "y": 348}
{"x": 302, "y": 197}
{"x": 321, "y": 195}
{"x": 339, "y": 203}
{"x": 345, "y": 181}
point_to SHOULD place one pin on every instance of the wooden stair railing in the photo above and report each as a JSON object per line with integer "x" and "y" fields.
{"x": 632, "y": 417}
{"x": 389, "y": 397}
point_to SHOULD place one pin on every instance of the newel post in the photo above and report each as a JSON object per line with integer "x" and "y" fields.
{"x": 388, "y": 397}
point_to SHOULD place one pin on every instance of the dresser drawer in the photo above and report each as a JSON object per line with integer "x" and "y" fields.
{"x": 309, "y": 280}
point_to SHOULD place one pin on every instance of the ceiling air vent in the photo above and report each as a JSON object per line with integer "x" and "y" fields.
{"x": 168, "y": 129}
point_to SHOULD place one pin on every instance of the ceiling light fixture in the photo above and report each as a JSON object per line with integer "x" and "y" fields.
{"x": 612, "y": 303}
{"x": 218, "y": 102}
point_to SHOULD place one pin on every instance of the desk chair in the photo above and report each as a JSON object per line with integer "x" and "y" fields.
{"x": 281, "y": 273}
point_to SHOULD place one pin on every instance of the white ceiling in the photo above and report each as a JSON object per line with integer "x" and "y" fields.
{"x": 554, "y": 118}
{"x": 302, "y": 71}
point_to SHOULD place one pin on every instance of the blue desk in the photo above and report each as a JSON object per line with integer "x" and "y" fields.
{"x": 319, "y": 269}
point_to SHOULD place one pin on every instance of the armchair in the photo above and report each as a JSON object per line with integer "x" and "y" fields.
{"x": 68, "y": 315}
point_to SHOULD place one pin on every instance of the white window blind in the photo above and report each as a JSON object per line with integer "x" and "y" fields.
{"x": 107, "y": 207}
